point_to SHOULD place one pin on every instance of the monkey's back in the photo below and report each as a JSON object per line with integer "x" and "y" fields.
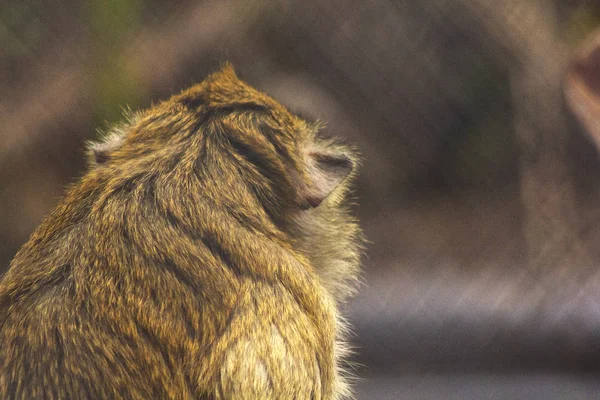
{"x": 159, "y": 337}
{"x": 108, "y": 312}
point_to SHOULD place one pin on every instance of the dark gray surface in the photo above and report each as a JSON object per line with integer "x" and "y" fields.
{"x": 479, "y": 387}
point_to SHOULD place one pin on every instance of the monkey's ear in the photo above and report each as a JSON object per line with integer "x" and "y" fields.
{"x": 100, "y": 152}
{"x": 327, "y": 170}
{"x": 582, "y": 87}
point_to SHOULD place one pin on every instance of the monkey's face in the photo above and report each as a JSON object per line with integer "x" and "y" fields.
{"x": 222, "y": 129}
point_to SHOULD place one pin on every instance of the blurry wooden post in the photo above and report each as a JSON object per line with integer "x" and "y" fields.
{"x": 540, "y": 58}
{"x": 552, "y": 228}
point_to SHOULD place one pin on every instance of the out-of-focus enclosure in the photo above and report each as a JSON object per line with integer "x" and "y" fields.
{"x": 480, "y": 188}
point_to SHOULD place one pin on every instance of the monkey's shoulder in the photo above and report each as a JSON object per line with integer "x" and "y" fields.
{"x": 272, "y": 345}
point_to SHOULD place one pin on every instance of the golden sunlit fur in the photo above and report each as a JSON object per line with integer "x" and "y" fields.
{"x": 203, "y": 256}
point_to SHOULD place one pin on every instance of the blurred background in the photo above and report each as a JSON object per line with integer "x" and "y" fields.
{"x": 480, "y": 188}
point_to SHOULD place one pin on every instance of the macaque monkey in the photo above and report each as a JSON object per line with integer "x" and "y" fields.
{"x": 582, "y": 87}
{"x": 203, "y": 255}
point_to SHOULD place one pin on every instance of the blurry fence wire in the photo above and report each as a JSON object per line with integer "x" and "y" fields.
{"x": 479, "y": 191}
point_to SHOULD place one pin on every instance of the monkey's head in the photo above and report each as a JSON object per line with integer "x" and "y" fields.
{"x": 226, "y": 144}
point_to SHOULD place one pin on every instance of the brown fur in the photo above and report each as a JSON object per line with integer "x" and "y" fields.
{"x": 203, "y": 255}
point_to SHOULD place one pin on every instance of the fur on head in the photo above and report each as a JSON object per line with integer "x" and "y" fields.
{"x": 291, "y": 183}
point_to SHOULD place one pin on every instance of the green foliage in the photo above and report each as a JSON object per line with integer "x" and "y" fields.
{"x": 481, "y": 149}
{"x": 21, "y": 29}
{"x": 111, "y": 23}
